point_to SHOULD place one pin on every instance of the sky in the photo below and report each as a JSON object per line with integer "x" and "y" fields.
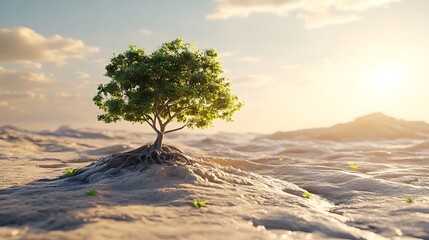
{"x": 294, "y": 63}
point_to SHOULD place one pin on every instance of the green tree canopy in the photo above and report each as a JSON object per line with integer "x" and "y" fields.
{"x": 176, "y": 82}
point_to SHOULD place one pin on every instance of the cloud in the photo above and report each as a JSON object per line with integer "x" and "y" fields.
{"x": 146, "y": 32}
{"x": 81, "y": 74}
{"x": 37, "y": 77}
{"x": 249, "y": 59}
{"x": 7, "y": 98}
{"x": 23, "y": 45}
{"x": 251, "y": 80}
{"x": 6, "y": 108}
{"x": 11, "y": 79}
{"x": 30, "y": 64}
{"x": 9, "y": 95}
{"x": 318, "y": 19}
{"x": 315, "y": 14}
{"x": 226, "y": 53}
{"x": 63, "y": 95}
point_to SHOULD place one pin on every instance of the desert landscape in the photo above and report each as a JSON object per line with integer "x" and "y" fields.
{"x": 214, "y": 120}
{"x": 253, "y": 185}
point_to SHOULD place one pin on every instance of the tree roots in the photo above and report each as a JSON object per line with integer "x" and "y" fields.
{"x": 141, "y": 157}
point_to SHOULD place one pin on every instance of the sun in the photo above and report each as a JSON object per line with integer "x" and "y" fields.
{"x": 386, "y": 79}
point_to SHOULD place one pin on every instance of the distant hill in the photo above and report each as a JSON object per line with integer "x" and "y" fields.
{"x": 375, "y": 126}
{"x": 14, "y": 133}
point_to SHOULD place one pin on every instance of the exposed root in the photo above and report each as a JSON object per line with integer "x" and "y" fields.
{"x": 141, "y": 157}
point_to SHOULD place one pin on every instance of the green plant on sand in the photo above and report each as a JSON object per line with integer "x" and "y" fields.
{"x": 70, "y": 172}
{"x": 354, "y": 166}
{"x": 307, "y": 195}
{"x": 175, "y": 83}
{"x": 91, "y": 192}
{"x": 199, "y": 204}
{"x": 409, "y": 199}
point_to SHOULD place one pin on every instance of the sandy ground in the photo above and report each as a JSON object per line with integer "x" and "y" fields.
{"x": 254, "y": 187}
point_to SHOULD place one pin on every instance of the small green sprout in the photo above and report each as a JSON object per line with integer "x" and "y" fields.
{"x": 354, "y": 166}
{"x": 307, "y": 195}
{"x": 409, "y": 199}
{"x": 91, "y": 192}
{"x": 281, "y": 158}
{"x": 199, "y": 204}
{"x": 72, "y": 172}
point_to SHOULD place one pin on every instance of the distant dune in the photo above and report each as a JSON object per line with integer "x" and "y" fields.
{"x": 67, "y": 131}
{"x": 375, "y": 126}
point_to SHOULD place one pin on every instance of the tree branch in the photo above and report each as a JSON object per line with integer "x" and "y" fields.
{"x": 166, "y": 103}
{"x": 176, "y": 129}
{"x": 161, "y": 109}
{"x": 168, "y": 111}
{"x": 149, "y": 120}
{"x": 153, "y": 119}
{"x": 159, "y": 120}
{"x": 171, "y": 117}
{"x": 148, "y": 117}
{"x": 150, "y": 124}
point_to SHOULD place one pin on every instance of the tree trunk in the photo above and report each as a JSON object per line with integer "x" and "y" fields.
{"x": 157, "y": 145}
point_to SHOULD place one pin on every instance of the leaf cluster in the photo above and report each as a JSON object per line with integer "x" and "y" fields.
{"x": 91, "y": 192}
{"x": 354, "y": 166}
{"x": 199, "y": 204}
{"x": 72, "y": 172}
{"x": 175, "y": 82}
{"x": 307, "y": 195}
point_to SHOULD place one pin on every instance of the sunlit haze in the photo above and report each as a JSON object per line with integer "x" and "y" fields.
{"x": 386, "y": 79}
{"x": 294, "y": 64}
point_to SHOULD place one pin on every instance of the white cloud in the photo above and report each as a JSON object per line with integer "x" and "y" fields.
{"x": 13, "y": 80}
{"x": 315, "y": 13}
{"x": 9, "y": 95}
{"x": 6, "y": 70}
{"x": 30, "y": 64}
{"x": 251, "y": 80}
{"x": 8, "y": 99}
{"x": 63, "y": 95}
{"x": 318, "y": 19}
{"x": 227, "y": 53}
{"x": 34, "y": 77}
{"x": 249, "y": 59}
{"x": 23, "y": 45}
{"x": 146, "y": 32}
{"x": 6, "y": 108}
{"x": 81, "y": 74}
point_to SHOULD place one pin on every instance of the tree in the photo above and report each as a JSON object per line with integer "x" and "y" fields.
{"x": 175, "y": 83}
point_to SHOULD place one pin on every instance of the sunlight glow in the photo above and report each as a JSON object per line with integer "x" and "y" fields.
{"x": 386, "y": 79}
